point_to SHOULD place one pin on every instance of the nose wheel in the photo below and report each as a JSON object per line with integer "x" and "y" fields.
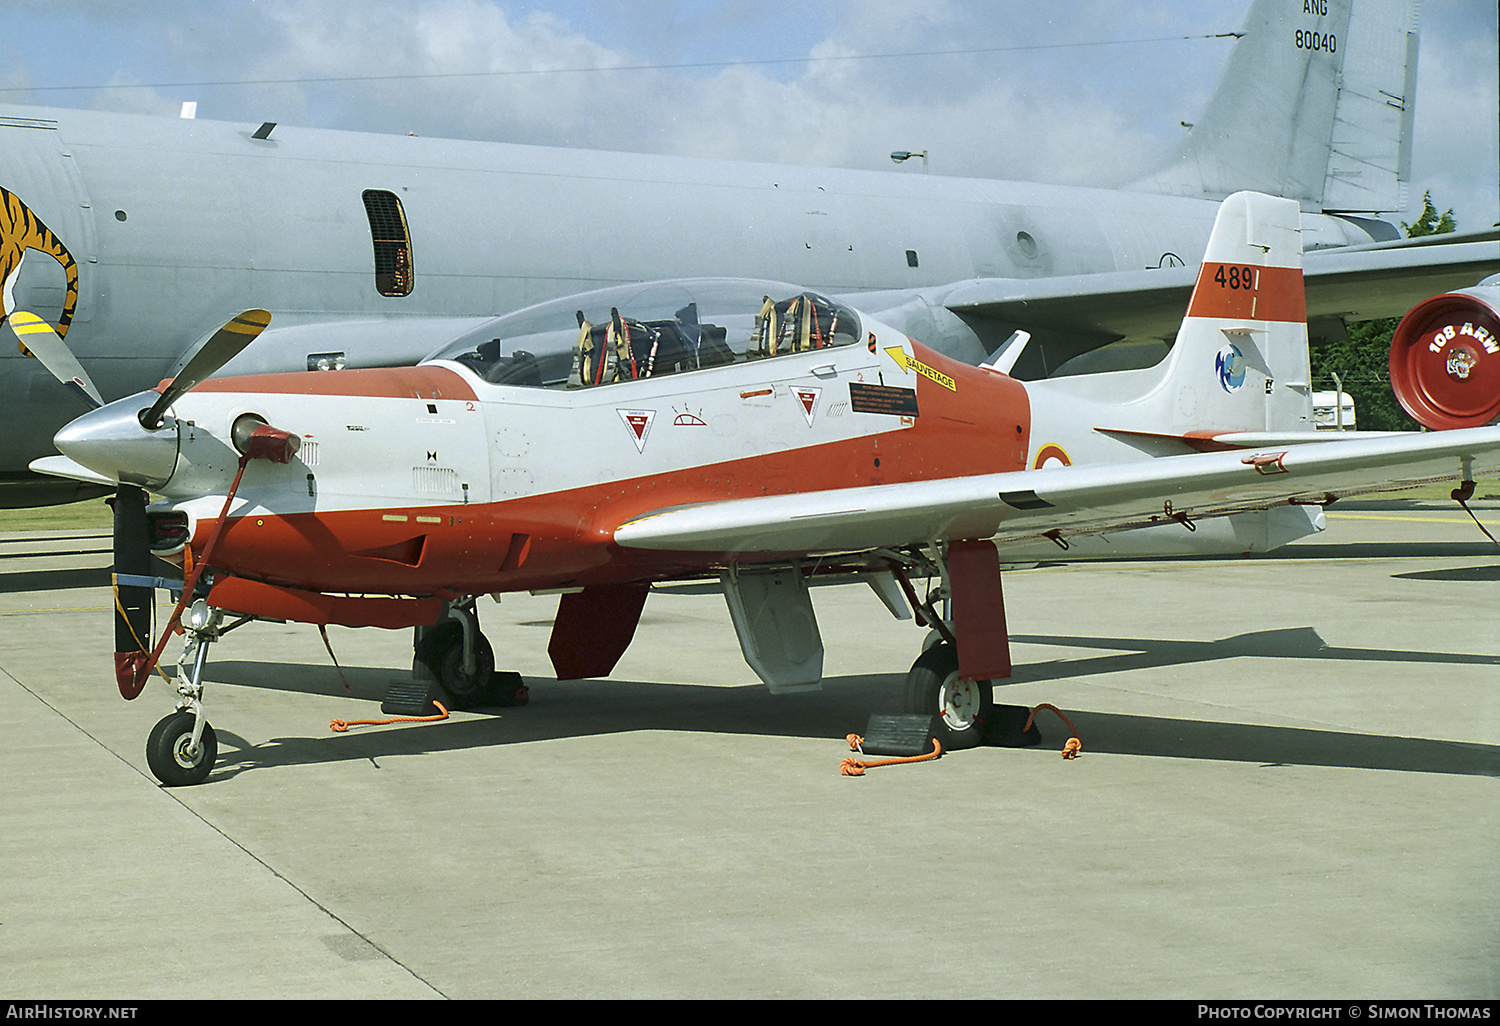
{"x": 176, "y": 755}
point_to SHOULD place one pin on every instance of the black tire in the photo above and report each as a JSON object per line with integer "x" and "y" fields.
{"x": 959, "y": 710}
{"x": 442, "y": 651}
{"x": 167, "y": 751}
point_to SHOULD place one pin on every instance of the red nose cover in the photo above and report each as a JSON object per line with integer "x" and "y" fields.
{"x": 132, "y": 669}
{"x": 274, "y": 444}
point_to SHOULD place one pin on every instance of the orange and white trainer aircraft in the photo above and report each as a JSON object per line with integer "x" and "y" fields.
{"x": 743, "y": 431}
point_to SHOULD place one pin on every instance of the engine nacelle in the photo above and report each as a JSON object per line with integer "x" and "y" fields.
{"x": 1445, "y": 359}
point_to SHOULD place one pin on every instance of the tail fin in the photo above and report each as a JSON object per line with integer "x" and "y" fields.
{"x": 1315, "y": 105}
{"x": 1240, "y": 362}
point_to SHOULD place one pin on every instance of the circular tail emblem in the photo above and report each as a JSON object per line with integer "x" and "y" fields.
{"x": 1231, "y": 367}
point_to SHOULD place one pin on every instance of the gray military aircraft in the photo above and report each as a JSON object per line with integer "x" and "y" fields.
{"x": 139, "y": 236}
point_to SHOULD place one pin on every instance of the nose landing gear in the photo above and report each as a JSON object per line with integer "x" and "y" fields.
{"x": 182, "y": 748}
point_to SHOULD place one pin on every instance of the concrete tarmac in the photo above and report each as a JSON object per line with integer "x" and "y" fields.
{"x": 1288, "y": 789}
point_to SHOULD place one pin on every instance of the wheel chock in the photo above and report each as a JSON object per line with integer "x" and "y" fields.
{"x": 908, "y": 738}
{"x": 1010, "y": 726}
{"x": 408, "y": 698}
{"x": 901, "y": 735}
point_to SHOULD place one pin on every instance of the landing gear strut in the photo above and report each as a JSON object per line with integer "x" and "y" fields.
{"x": 182, "y": 747}
{"x": 956, "y": 692}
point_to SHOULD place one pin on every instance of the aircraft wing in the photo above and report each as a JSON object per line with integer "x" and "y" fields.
{"x": 1027, "y": 505}
{"x": 1354, "y": 283}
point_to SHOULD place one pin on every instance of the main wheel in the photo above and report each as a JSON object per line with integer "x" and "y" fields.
{"x": 169, "y": 750}
{"x": 442, "y": 651}
{"x": 959, "y": 708}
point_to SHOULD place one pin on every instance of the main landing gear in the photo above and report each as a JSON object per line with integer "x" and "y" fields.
{"x": 456, "y": 656}
{"x": 960, "y": 708}
{"x": 952, "y": 685}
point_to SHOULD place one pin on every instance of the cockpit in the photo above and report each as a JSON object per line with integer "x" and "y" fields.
{"x": 635, "y": 332}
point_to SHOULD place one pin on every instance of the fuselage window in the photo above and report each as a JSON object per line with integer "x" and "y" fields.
{"x": 393, "y": 268}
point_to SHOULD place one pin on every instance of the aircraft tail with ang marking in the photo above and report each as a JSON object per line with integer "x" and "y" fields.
{"x": 1315, "y": 105}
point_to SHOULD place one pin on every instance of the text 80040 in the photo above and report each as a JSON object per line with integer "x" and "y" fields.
{"x": 1308, "y": 40}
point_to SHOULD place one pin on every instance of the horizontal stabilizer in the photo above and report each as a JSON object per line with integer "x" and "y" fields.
{"x": 1355, "y": 283}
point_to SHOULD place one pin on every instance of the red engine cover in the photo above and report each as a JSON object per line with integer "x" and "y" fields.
{"x": 1445, "y": 361}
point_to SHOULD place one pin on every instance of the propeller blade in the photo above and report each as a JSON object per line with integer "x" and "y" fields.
{"x": 37, "y": 338}
{"x": 133, "y": 601}
{"x": 224, "y": 346}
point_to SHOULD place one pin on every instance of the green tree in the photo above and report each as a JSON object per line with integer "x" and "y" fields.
{"x": 1362, "y": 360}
{"x": 1430, "y": 223}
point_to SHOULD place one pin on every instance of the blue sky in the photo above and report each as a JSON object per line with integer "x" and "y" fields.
{"x": 1070, "y": 110}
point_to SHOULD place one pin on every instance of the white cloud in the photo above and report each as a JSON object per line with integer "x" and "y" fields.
{"x": 1069, "y": 112}
{"x": 1456, "y": 152}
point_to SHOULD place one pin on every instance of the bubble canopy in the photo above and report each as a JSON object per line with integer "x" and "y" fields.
{"x": 630, "y": 332}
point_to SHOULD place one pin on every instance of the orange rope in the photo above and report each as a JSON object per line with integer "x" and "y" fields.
{"x": 1075, "y": 743}
{"x": 856, "y": 767}
{"x": 340, "y": 726}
